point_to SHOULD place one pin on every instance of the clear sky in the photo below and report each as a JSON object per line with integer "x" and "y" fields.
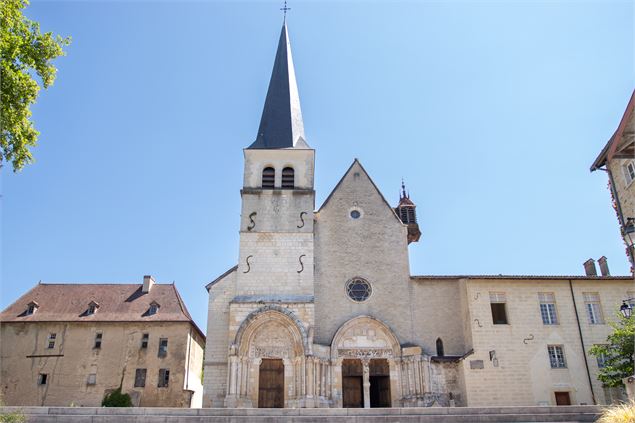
{"x": 492, "y": 112}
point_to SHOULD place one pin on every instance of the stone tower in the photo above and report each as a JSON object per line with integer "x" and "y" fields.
{"x": 276, "y": 231}
{"x": 406, "y": 210}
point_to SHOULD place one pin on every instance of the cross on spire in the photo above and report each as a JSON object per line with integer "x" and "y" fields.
{"x": 284, "y": 10}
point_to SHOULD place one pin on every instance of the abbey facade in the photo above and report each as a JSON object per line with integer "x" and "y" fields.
{"x": 321, "y": 309}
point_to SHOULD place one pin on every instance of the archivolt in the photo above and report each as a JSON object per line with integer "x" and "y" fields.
{"x": 266, "y": 314}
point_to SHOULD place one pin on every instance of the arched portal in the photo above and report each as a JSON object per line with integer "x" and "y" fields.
{"x": 366, "y": 352}
{"x": 266, "y": 359}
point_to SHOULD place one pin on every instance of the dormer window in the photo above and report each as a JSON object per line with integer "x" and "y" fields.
{"x": 154, "y": 308}
{"x": 288, "y": 178}
{"x": 31, "y": 308}
{"x": 92, "y": 308}
{"x": 268, "y": 178}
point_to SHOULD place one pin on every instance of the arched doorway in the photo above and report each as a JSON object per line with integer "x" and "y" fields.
{"x": 266, "y": 359}
{"x": 365, "y": 351}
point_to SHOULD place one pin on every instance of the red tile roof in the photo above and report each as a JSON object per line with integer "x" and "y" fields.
{"x": 117, "y": 303}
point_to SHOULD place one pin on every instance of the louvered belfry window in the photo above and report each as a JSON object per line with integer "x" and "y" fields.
{"x": 268, "y": 178}
{"x": 288, "y": 178}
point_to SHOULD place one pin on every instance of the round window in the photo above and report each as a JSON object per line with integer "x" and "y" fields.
{"x": 355, "y": 214}
{"x": 358, "y": 290}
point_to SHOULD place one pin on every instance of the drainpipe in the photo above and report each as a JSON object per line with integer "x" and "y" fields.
{"x": 586, "y": 362}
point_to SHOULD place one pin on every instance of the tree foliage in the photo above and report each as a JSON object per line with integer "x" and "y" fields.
{"x": 25, "y": 54}
{"x": 116, "y": 399}
{"x": 617, "y": 352}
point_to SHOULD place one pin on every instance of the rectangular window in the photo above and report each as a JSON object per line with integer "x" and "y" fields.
{"x": 556, "y": 357}
{"x": 144, "y": 340}
{"x": 629, "y": 172}
{"x": 163, "y": 347}
{"x": 499, "y": 312}
{"x": 601, "y": 360}
{"x": 92, "y": 379}
{"x": 140, "y": 378}
{"x": 593, "y": 308}
{"x": 548, "y": 308}
{"x": 164, "y": 378}
{"x": 51, "y": 341}
{"x": 42, "y": 379}
{"x": 98, "y": 337}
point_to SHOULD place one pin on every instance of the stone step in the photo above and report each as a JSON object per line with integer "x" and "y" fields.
{"x": 568, "y": 414}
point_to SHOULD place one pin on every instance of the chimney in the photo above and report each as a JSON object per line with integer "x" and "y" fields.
{"x": 604, "y": 266}
{"x": 148, "y": 281}
{"x": 589, "y": 268}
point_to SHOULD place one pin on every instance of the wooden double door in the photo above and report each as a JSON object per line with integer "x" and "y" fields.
{"x": 271, "y": 384}
{"x": 353, "y": 383}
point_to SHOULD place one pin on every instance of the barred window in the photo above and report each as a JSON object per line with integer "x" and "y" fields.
{"x": 498, "y": 302}
{"x": 556, "y": 357}
{"x": 288, "y": 178}
{"x": 51, "y": 340}
{"x": 268, "y": 178}
{"x": 92, "y": 379}
{"x": 593, "y": 308}
{"x": 144, "y": 340}
{"x": 163, "y": 347}
{"x": 164, "y": 378}
{"x": 98, "y": 338}
{"x": 140, "y": 378}
{"x": 548, "y": 308}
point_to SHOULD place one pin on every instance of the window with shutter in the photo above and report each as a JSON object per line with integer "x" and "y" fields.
{"x": 268, "y": 178}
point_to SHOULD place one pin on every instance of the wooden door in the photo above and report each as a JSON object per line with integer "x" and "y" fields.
{"x": 271, "y": 384}
{"x": 380, "y": 391}
{"x": 563, "y": 398}
{"x": 353, "y": 393}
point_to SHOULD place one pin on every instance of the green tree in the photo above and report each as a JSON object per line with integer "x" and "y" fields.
{"x": 617, "y": 353}
{"x": 25, "y": 54}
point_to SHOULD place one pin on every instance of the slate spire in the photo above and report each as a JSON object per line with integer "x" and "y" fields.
{"x": 281, "y": 123}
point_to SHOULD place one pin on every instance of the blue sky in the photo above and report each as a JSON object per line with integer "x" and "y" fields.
{"x": 491, "y": 111}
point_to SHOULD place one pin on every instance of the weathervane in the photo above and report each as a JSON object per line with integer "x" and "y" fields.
{"x": 284, "y": 9}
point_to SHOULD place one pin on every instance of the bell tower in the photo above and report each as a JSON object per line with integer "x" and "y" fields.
{"x": 406, "y": 210}
{"x": 278, "y": 199}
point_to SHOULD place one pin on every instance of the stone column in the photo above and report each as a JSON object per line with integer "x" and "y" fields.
{"x": 629, "y": 383}
{"x": 366, "y": 381}
{"x": 336, "y": 382}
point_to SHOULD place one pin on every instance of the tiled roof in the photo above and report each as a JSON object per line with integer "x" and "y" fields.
{"x": 117, "y": 303}
{"x": 527, "y": 277}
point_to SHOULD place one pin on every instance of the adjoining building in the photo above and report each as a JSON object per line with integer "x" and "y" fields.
{"x": 70, "y": 344}
{"x": 617, "y": 159}
{"x": 321, "y": 309}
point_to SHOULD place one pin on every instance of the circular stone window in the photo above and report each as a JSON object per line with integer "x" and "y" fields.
{"x": 355, "y": 214}
{"x": 358, "y": 290}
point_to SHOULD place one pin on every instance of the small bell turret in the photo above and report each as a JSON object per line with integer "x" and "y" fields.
{"x": 406, "y": 210}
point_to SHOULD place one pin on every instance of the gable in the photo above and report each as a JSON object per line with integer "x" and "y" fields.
{"x": 357, "y": 186}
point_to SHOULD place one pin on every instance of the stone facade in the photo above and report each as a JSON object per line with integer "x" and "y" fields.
{"x": 60, "y": 356}
{"x": 617, "y": 158}
{"x": 321, "y": 309}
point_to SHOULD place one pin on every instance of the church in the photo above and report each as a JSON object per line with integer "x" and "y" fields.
{"x": 321, "y": 309}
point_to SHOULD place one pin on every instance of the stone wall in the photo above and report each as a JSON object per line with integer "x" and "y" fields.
{"x": 68, "y": 366}
{"x": 510, "y": 364}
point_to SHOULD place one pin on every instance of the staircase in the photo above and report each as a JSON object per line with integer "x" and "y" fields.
{"x": 577, "y": 413}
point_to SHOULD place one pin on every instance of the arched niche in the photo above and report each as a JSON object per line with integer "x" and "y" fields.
{"x": 271, "y": 332}
{"x": 365, "y": 337}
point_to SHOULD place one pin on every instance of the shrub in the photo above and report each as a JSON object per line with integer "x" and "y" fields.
{"x": 14, "y": 417}
{"x": 619, "y": 413}
{"x": 116, "y": 399}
